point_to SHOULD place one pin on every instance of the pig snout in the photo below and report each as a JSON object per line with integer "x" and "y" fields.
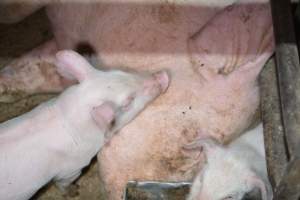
{"x": 157, "y": 84}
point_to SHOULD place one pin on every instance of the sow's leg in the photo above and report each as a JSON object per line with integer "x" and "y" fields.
{"x": 15, "y": 11}
{"x": 28, "y": 80}
{"x": 32, "y": 73}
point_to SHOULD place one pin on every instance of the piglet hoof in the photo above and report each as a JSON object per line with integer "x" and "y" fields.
{"x": 71, "y": 191}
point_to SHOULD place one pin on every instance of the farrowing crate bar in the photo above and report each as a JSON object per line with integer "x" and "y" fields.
{"x": 280, "y": 100}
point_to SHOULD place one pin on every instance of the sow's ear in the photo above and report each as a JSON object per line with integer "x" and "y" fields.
{"x": 104, "y": 115}
{"x": 71, "y": 65}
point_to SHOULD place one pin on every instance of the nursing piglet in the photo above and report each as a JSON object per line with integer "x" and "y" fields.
{"x": 60, "y": 137}
{"x": 235, "y": 172}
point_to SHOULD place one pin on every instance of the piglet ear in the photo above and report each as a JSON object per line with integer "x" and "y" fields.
{"x": 264, "y": 187}
{"x": 104, "y": 115}
{"x": 195, "y": 190}
{"x": 71, "y": 65}
{"x": 254, "y": 194}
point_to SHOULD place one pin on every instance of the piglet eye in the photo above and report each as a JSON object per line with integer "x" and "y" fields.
{"x": 228, "y": 198}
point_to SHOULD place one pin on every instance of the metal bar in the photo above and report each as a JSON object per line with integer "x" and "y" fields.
{"x": 289, "y": 187}
{"x": 273, "y": 131}
{"x": 288, "y": 73}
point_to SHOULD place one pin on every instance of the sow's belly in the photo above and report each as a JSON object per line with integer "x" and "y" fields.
{"x": 213, "y": 89}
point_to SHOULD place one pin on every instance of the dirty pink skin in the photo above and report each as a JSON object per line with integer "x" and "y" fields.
{"x": 60, "y": 137}
{"x": 213, "y": 56}
{"x": 33, "y": 73}
{"x": 220, "y": 104}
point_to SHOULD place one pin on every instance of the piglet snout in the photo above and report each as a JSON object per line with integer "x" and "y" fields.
{"x": 162, "y": 78}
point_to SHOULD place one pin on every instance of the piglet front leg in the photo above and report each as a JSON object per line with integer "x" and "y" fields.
{"x": 64, "y": 183}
